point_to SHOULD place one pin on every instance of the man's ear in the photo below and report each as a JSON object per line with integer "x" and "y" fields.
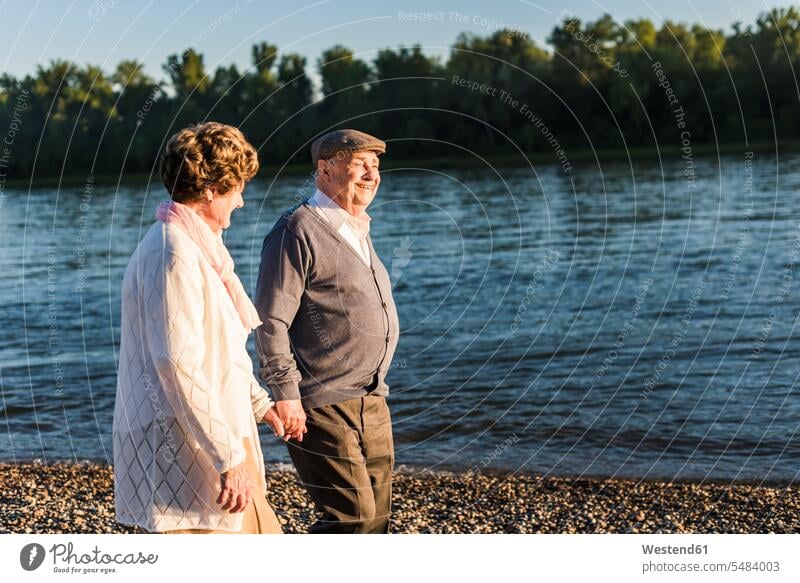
{"x": 322, "y": 168}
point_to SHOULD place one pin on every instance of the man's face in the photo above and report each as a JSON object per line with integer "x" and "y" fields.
{"x": 355, "y": 177}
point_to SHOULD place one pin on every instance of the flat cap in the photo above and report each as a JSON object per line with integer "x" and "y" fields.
{"x": 346, "y": 141}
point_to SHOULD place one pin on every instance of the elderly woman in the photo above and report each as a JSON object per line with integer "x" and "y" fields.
{"x": 186, "y": 451}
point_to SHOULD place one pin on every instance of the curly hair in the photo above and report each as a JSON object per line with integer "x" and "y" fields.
{"x": 206, "y": 155}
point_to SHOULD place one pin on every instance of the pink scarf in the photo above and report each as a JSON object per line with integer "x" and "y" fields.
{"x": 210, "y": 243}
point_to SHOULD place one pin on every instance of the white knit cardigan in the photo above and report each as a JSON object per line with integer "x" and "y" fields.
{"x": 186, "y": 394}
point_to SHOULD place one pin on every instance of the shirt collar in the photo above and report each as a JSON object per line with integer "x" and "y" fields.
{"x": 338, "y": 216}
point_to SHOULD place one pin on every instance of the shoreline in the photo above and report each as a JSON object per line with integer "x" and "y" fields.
{"x": 500, "y": 160}
{"x": 489, "y": 472}
{"x": 78, "y": 498}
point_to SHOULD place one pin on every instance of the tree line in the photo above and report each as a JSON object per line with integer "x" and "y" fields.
{"x": 599, "y": 84}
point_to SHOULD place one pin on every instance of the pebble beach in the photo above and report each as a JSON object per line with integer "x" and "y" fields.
{"x": 79, "y": 498}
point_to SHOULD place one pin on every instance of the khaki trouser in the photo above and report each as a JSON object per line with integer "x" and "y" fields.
{"x": 345, "y": 463}
{"x": 259, "y": 517}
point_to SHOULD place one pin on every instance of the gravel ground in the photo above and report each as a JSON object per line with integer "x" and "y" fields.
{"x": 79, "y": 498}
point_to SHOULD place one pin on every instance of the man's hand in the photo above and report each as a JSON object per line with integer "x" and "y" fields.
{"x": 235, "y": 489}
{"x": 293, "y": 417}
{"x": 271, "y": 417}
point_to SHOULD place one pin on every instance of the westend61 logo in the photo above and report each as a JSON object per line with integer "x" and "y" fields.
{"x": 66, "y": 560}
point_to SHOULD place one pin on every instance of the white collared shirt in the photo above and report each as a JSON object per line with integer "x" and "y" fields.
{"x": 344, "y": 223}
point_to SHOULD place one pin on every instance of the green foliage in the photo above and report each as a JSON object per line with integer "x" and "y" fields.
{"x": 595, "y": 87}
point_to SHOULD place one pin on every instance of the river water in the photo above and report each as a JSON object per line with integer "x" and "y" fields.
{"x": 628, "y": 322}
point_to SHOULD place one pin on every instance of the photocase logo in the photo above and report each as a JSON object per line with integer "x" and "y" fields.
{"x": 31, "y": 556}
{"x": 401, "y": 257}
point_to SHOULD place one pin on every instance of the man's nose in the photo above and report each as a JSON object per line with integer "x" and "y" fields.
{"x": 372, "y": 173}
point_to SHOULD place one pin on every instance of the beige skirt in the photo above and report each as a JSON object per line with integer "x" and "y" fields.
{"x": 259, "y": 517}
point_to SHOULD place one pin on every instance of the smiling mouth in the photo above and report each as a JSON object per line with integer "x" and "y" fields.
{"x": 364, "y": 186}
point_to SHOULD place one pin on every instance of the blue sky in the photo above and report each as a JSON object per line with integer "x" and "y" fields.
{"x": 103, "y": 32}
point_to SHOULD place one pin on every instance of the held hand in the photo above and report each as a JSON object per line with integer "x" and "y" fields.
{"x": 293, "y": 418}
{"x": 235, "y": 489}
{"x": 271, "y": 417}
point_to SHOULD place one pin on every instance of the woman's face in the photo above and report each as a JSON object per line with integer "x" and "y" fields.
{"x": 217, "y": 212}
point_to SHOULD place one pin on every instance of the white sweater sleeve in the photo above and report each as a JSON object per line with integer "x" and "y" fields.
{"x": 175, "y": 337}
{"x": 259, "y": 398}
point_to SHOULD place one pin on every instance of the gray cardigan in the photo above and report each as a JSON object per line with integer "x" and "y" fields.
{"x": 329, "y": 324}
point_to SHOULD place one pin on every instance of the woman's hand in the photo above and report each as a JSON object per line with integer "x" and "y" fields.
{"x": 293, "y": 417}
{"x": 235, "y": 489}
{"x": 271, "y": 417}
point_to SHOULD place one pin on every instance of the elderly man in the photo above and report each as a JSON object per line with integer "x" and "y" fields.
{"x": 329, "y": 331}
